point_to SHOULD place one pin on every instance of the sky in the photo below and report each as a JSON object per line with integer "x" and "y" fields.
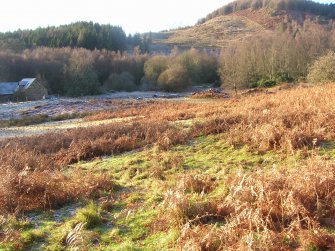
{"x": 132, "y": 15}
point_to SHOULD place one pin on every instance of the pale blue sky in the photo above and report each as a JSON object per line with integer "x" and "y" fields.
{"x": 132, "y": 15}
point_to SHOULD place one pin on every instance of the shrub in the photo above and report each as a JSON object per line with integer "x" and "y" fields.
{"x": 80, "y": 77}
{"x": 174, "y": 79}
{"x": 323, "y": 69}
{"x": 89, "y": 215}
{"x": 200, "y": 67}
{"x": 120, "y": 82}
{"x": 29, "y": 237}
{"x": 154, "y": 67}
{"x": 283, "y": 77}
{"x": 176, "y": 72}
{"x": 270, "y": 82}
{"x": 266, "y": 83}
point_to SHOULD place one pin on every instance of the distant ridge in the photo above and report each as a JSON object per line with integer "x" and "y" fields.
{"x": 307, "y": 6}
{"x": 244, "y": 18}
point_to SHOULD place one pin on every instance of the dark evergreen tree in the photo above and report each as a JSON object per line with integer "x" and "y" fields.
{"x": 86, "y": 35}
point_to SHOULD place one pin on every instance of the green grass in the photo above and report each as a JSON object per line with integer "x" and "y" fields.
{"x": 32, "y": 236}
{"x": 89, "y": 215}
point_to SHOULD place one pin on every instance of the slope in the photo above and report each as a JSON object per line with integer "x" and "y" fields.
{"x": 222, "y": 26}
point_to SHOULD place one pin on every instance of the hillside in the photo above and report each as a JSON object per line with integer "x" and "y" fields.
{"x": 210, "y": 174}
{"x": 214, "y": 32}
{"x": 236, "y": 21}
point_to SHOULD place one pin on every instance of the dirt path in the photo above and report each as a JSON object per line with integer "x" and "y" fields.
{"x": 50, "y": 127}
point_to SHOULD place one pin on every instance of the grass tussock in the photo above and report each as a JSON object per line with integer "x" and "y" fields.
{"x": 182, "y": 208}
{"x": 162, "y": 162}
{"x": 10, "y": 229}
{"x": 185, "y": 202}
{"x": 275, "y": 210}
{"x": 29, "y": 190}
{"x": 198, "y": 183}
{"x": 89, "y": 216}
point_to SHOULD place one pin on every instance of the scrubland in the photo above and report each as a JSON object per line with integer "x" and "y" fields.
{"x": 253, "y": 172}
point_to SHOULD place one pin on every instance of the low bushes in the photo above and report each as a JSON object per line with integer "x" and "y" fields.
{"x": 174, "y": 79}
{"x": 177, "y": 72}
{"x": 277, "y": 79}
{"x": 323, "y": 69}
{"x": 265, "y": 83}
{"x": 279, "y": 210}
{"x": 29, "y": 190}
{"x": 155, "y": 66}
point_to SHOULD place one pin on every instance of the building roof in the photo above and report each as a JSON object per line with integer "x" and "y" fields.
{"x": 8, "y": 88}
{"x": 26, "y": 82}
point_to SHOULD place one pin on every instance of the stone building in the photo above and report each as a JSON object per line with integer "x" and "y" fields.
{"x": 25, "y": 90}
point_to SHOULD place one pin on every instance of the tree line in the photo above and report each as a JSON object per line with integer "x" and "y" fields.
{"x": 308, "y": 6}
{"x": 86, "y": 35}
{"x": 78, "y": 72}
{"x": 307, "y": 54}
{"x": 273, "y": 58}
{"x": 70, "y": 71}
{"x": 299, "y": 54}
